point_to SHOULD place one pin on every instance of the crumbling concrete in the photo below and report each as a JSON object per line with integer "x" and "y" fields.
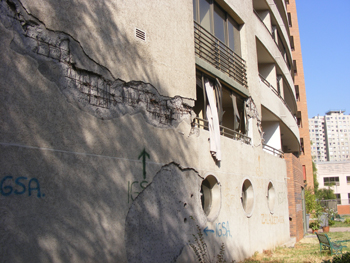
{"x": 85, "y": 83}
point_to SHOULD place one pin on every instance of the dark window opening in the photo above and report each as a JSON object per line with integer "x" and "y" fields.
{"x": 299, "y": 120}
{"x": 295, "y": 67}
{"x": 230, "y": 105}
{"x": 330, "y": 181}
{"x": 291, "y": 39}
{"x": 302, "y": 145}
{"x": 297, "y": 94}
{"x": 289, "y": 19}
{"x": 338, "y": 199}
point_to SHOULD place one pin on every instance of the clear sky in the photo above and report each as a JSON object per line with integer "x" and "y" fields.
{"x": 324, "y": 27}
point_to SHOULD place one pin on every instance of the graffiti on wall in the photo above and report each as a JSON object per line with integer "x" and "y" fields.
{"x": 21, "y": 185}
{"x": 223, "y": 229}
{"x": 135, "y": 187}
{"x": 270, "y": 219}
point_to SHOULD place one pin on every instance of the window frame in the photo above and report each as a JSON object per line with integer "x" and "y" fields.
{"x": 228, "y": 18}
{"x": 327, "y": 181}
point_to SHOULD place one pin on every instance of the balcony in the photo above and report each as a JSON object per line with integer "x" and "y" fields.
{"x": 277, "y": 93}
{"x": 273, "y": 151}
{"x": 216, "y": 53}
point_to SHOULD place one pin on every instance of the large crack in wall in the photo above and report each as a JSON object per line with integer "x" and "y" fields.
{"x": 86, "y": 84}
{"x": 162, "y": 218}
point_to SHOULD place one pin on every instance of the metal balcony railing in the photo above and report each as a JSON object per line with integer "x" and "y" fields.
{"x": 273, "y": 151}
{"x": 212, "y": 50}
{"x": 201, "y": 123}
{"x": 277, "y": 94}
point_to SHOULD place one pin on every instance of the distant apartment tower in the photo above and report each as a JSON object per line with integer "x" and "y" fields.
{"x": 318, "y": 139}
{"x": 330, "y": 136}
{"x": 300, "y": 92}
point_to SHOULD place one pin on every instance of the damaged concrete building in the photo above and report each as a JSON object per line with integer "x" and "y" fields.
{"x": 126, "y": 124}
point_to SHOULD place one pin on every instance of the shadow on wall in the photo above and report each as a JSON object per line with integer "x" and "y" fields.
{"x": 100, "y": 28}
{"x": 68, "y": 157}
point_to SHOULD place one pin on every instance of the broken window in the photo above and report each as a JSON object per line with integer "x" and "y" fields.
{"x": 230, "y": 106}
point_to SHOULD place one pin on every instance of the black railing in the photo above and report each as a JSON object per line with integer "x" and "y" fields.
{"x": 212, "y": 50}
{"x": 278, "y": 94}
{"x": 273, "y": 151}
{"x": 203, "y": 124}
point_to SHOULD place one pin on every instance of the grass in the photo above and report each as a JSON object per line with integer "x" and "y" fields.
{"x": 306, "y": 251}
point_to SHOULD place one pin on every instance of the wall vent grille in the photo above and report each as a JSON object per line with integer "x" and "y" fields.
{"x": 140, "y": 34}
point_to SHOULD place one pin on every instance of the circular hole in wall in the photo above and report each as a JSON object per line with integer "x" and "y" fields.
{"x": 211, "y": 197}
{"x": 270, "y": 197}
{"x": 247, "y": 197}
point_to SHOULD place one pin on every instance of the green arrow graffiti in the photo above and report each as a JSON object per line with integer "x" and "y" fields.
{"x": 144, "y": 154}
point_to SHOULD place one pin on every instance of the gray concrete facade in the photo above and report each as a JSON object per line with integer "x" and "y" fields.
{"x": 100, "y": 159}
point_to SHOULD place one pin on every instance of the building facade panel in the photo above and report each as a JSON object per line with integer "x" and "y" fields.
{"x": 116, "y": 141}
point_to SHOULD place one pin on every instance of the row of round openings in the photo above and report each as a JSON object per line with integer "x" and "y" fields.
{"x": 211, "y": 197}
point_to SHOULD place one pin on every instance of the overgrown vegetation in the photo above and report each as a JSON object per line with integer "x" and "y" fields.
{"x": 310, "y": 200}
{"x": 325, "y": 194}
{"x": 308, "y": 250}
{"x": 345, "y": 258}
{"x": 314, "y": 173}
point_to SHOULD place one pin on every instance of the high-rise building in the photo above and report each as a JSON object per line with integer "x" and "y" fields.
{"x": 330, "y": 136}
{"x": 124, "y": 124}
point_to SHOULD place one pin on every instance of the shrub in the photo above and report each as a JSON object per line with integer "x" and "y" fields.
{"x": 314, "y": 225}
{"x": 199, "y": 247}
{"x": 344, "y": 258}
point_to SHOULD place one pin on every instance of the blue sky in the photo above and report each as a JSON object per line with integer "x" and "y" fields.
{"x": 324, "y": 28}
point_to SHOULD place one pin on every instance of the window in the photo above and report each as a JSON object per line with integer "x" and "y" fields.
{"x": 230, "y": 105}
{"x": 215, "y": 20}
{"x": 338, "y": 199}
{"x": 297, "y": 94}
{"x": 289, "y": 19}
{"x": 330, "y": 181}
{"x": 295, "y": 66}
{"x": 291, "y": 39}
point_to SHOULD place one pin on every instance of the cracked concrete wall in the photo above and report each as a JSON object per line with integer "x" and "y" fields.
{"x": 106, "y": 31}
{"x": 161, "y": 220}
{"x": 89, "y": 138}
{"x": 85, "y": 83}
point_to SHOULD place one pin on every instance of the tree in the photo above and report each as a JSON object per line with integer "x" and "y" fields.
{"x": 310, "y": 201}
{"x": 325, "y": 194}
{"x": 314, "y": 173}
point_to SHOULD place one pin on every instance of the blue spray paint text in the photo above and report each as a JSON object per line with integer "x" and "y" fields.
{"x": 19, "y": 186}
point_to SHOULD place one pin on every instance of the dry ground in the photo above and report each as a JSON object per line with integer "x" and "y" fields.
{"x": 306, "y": 251}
